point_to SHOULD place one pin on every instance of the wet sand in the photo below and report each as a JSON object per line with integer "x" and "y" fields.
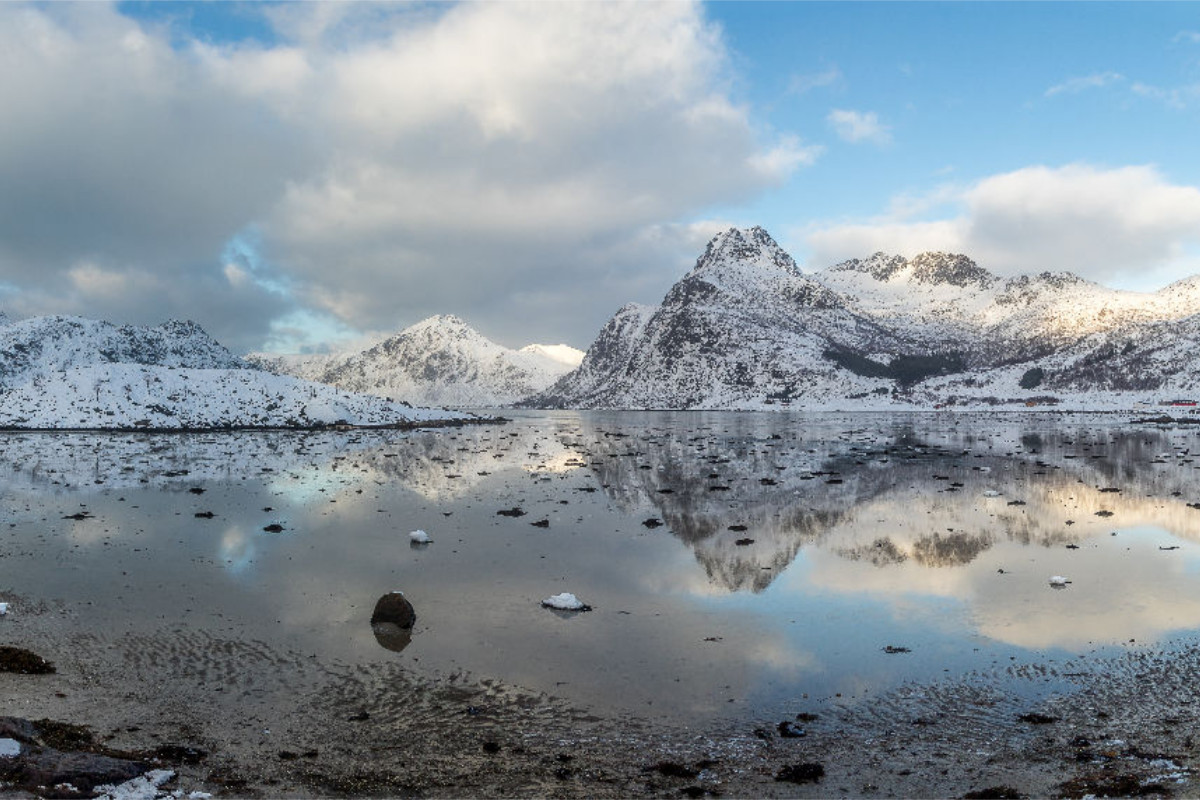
{"x": 275, "y": 723}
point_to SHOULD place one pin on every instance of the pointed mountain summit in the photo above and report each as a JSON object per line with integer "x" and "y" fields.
{"x": 438, "y": 361}
{"x": 745, "y": 327}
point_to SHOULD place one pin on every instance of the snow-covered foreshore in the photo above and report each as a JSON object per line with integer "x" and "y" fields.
{"x": 145, "y": 397}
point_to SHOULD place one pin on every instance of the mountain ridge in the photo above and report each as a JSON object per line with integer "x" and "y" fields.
{"x": 745, "y": 328}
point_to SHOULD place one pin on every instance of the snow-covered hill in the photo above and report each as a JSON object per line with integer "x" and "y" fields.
{"x": 438, "y": 361}
{"x": 747, "y": 329}
{"x": 40, "y": 345}
{"x": 75, "y": 373}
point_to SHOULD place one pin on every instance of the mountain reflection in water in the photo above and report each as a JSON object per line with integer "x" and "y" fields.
{"x": 793, "y": 548}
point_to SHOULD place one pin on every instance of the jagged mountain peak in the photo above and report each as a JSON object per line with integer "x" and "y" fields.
{"x": 750, "y": 246}
{"x": 952, "y": 268}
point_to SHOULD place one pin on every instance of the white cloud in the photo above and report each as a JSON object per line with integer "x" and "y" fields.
{"x": 1099, "y": 223}
{"x": 398, "y": 160}
{"x": 1075, "y": 85}
{"x": 802, "y": 84}
{"x": 1187, "y": 37}
{"x": 859, "y": 126}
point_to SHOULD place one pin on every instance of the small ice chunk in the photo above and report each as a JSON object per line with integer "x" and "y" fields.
{"x": 1058, "y": 581}
{"x": 143, "y": 787}
{"x": 3, "y": 609}
{"x": 9, "y": 748}
{"x": 419, "y": 537}
{"x": 990, "y": 493}
{"x": 566, "y": 602}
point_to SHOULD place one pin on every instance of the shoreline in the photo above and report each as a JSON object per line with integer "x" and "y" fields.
{"x": 316, "y": 729}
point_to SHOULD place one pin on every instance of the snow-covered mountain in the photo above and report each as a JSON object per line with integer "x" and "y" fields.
{"x": 747, "y": 329}
{"x": 439, "y": 361}
{"x": 37, "y": 346}
{"x": 75, "y": 373}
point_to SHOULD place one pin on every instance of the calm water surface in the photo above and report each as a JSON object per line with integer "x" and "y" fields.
{"x": 793, "y": 549}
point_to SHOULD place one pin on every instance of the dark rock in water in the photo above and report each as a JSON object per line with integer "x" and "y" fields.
{"x": 515, "y": 511}
{"x": 274, "y": 527}
{"x": 196, "y": 490}
{"x": 801, "y": 773}
{"x": 737, "y": 528}
{"x": 23, "y": 662}
{"x": 395, "y": 609}
{"x": 790, "y": 730}
{"x": 893, "y": 649}
{"x": 392, "y": 622}
{"x": 653, "y": 522}
{"x": 541, "y": 523}
{"x": 744, "y": 542}
{"x": 1037, "y": 719}
{"x": 205, "y": 515}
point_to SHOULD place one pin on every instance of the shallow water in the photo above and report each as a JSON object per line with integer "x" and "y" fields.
{"x": 794, "y": 551}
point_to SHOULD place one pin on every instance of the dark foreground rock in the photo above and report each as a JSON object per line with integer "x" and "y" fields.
{"x": 42, "y": 767}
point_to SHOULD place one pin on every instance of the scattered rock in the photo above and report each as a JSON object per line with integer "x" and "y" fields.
{"x": 893, "y": 649}
{"x": 515, "y": 511}
{"x": 1034, "y": 718}
{"x": 653, "y": 522}
{"x": 274, "y": 527}
{"x": 23, "y": 662}
{"x": 801, "y": 773}
{"x": 205, "y": 515}
{"x": 790, "y": 730}
{"x": 541, "y": 523}
{"x": 994, "y": 793}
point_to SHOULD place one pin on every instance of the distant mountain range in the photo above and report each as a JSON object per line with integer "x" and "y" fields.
{"x": 61, "y": 372}
{"x": 746, "y": 328}
{"x": 440, "y": 361}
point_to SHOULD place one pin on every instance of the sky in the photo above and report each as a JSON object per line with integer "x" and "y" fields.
{"x": 298, "y": 177}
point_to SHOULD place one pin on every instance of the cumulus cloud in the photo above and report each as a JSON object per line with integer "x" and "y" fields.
{"x": 1098, "y": 223}
{"x": 859, "y": 126}
{"x": 396, "y": 161}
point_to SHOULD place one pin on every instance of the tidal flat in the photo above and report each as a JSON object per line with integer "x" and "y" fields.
{"x": 781, "y": 604}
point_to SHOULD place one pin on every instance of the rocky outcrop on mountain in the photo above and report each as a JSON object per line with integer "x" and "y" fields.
{"x": 438, "y": 361}
{"x": 747, "y": 329}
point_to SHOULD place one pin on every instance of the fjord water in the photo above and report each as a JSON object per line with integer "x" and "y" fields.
{"x": 738, "y": 564}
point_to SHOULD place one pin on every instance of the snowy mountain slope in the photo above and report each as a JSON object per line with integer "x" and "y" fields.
{"x": 125, "y": 396}
{"x": 936, "y": 296}
{"x": 746, "y": 329}
{"x": 438, "y": 361}
{"x": 72, "y": 373}
{"x": 39, "y": 345}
